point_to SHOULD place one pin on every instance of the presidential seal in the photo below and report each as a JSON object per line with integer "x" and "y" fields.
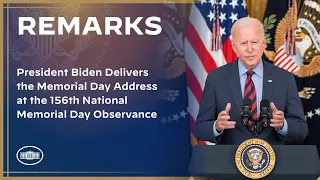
{"x": 255, "y": 158}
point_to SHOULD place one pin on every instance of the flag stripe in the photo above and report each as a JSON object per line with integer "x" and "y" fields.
{"x": 195, "y": 64}
{"x": 193, "y": 104}
{"x": 200, "y": 49}
{"x": 284, "y": 62}
{"x": 193, "y": 84}
{"x": 281, "y": 59}
{"x": 289, "y": 64}
{"x": 279, "y": 56}
{"x": 294, "y": 68}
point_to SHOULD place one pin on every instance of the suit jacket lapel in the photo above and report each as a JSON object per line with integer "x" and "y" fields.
{"x": 268, "y": 81}
{"x": 234, "y": 84}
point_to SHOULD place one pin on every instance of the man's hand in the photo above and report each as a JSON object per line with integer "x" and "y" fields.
{"x": 278, "y": 117}
{"x": 223, "y": 122}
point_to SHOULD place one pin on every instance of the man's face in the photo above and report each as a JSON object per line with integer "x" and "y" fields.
{"x": 249, "y": 44}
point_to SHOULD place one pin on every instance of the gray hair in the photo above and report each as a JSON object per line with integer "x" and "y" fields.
{"x": 245, "y": 22}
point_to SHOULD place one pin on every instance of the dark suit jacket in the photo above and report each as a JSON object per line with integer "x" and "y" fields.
{"x": 223, "y": 86}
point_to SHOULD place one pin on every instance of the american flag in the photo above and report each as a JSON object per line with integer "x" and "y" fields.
{"x": 199, "y": 56}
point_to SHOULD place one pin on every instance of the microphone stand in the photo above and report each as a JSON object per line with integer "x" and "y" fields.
{"x": 253, "y": 127}
{"x": 258, "y": 127}
{"x": 255, "y": 130}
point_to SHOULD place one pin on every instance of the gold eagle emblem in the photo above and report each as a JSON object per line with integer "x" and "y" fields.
{"x": 307, "y": 29}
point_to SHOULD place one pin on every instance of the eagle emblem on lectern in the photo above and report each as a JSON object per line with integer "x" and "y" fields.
{"x": 255, "y": 157}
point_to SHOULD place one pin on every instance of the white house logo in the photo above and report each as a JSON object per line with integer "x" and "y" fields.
{"x": 29, "y": 155}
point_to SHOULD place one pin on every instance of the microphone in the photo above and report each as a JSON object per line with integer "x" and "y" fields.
{"x": 246, "y": 108}
{"x": 264, "y": 111}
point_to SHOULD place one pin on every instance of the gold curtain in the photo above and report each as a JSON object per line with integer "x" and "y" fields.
{"x": 256, "y": 8}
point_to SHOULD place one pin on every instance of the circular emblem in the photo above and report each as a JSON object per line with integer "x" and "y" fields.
{"x": 255, "y": 158}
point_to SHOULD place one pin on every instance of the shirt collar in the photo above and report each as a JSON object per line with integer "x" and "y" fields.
{"x": 258, "y": 70}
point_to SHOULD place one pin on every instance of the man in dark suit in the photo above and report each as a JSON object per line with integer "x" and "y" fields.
{"x": 219, "y": 119}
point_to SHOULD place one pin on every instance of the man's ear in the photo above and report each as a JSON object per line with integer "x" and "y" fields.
{"x": 232, "y": 43}
{"x": 264, "y": 43}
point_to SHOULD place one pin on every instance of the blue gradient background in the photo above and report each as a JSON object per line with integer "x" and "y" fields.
{"x": 98, "y": 147}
